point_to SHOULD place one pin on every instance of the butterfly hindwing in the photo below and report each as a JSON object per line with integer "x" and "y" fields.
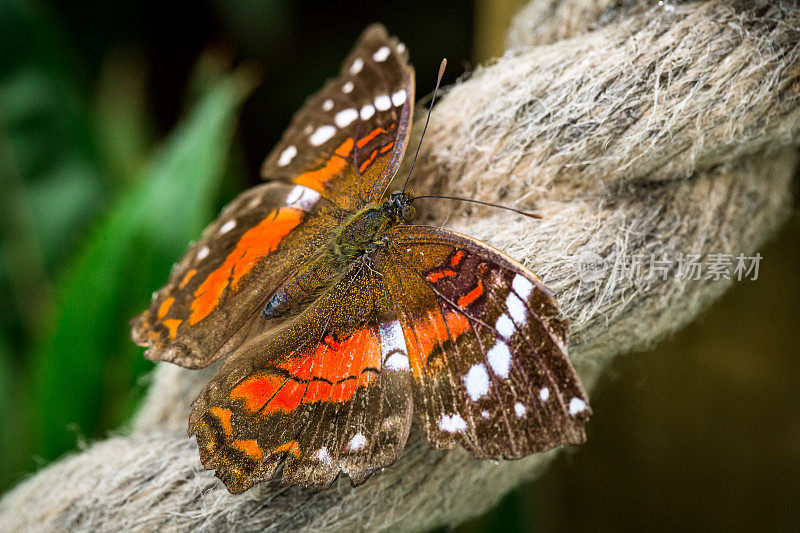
{"x": 329, "y": 391}
{"x": 339, "y": 153}
{"x": 486, "y": 346}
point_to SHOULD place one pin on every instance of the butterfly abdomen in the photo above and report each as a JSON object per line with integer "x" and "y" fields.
{"x": 310, "y": 281}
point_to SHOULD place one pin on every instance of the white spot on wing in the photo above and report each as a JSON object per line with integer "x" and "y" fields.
{"x": 485, "y": 413}
{"x": 203, "y": 253}
{"x": 517, "y": 309}
{"x": 381, "y": 54}
{"x": 544, "y": 394}
{"x": 401, "y": 48}
{"x": 367, "y": 111}
{"x": 504, "y": 326}
{"x": 357, "y": 65}
{"x": 345, "y": 117}
{"x": 522, "y": 286}
{"x": 226, "y": 227}
{"x": 358, "y": 442}
{"x": 295, "y": 194}
{"x": 383, "y": 102}
{"x": 576, "y": 405}
{"x": 399, "y": 98}
{"x": 287, "y": 156}
{"x": 452, "y": 423}
{"x": 322, "y": 455}
{"x": 347, "y": 87}
{"x": 302, "y": 197}
{"x": 322, "y": 135}
{"x": 327, "y": 105}
{"x": 499, "y": 359}
{"x": 519, "y": 409}
{"x": 393, "y": 346}
{"x": 397, "y": 361}
{"x": 392, "y": 337}
{"x": 477, "y": 381}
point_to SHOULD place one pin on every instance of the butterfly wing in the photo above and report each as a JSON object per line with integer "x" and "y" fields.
{"x": 329, "y": 391}
{"x": 348, "y": 140}
{"x": 339, "y": 153}
{"x": 486, "y": 346}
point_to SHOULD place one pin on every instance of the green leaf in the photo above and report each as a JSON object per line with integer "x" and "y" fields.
{"x": 127, "y": 256}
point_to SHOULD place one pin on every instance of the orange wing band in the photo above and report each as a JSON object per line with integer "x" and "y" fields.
{"x": 291, "y": 447}
{"x": 249, "y": 447}
{"x": 224, "y": 416}
{"x": 189, "y": 275}
{"x": 471, "y": 296}
{"x": 316, "y": 179}
{"x": 430, "y": 334}
{"x": 172, "y": 325}
{"x": 433, "y": 277}
{"x": 325, "y": 375}
{"x": 254, "y": 245}
{"x": 163, "y": 309}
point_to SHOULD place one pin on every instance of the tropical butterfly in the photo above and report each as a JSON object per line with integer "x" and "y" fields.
{"x": 340, "y": 321}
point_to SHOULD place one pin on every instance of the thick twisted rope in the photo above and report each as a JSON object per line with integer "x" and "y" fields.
{"x": 634, "y": 129}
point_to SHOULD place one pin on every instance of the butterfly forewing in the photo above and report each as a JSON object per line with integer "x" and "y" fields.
{"x": 486, "y": 346}
{"x": 251, "y": 249}
{"x": 339, "y": 153}
{"x": 327, "y": 392}
{"x": 349, "y": 138}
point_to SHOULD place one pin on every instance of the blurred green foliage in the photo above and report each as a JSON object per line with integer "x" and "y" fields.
{"x": 92, "y": 219}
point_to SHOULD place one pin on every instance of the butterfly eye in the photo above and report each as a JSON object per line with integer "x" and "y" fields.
{"x": 408, "y": 213}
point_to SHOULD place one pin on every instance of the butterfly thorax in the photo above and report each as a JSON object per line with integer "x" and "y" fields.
{"x": 363, "y": 232}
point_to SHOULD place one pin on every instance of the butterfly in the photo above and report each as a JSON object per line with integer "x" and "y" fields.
{"x": 341, "y": 322}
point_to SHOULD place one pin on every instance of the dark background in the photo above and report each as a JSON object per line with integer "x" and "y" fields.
{"x": 703, "y": 432}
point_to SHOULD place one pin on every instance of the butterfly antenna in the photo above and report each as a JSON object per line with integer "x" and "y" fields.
{"x": 428, "y": 119}
{"x": 470, "y": 200}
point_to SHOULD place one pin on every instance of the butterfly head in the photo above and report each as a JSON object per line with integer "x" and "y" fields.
{"x": 399, "y": 207}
